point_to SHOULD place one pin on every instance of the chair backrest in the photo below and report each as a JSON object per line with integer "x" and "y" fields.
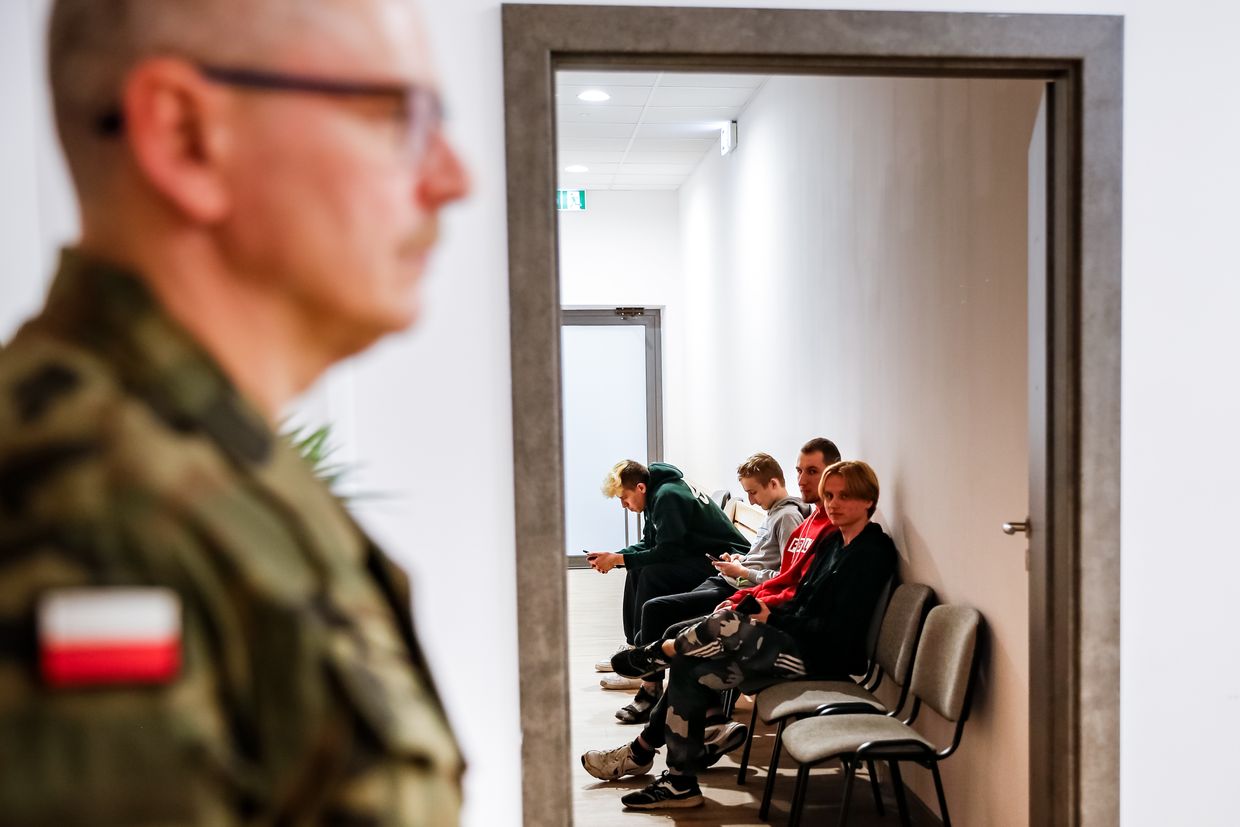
{"x": 721, "y": 497}
{"x": 945, "y": 660}
{"x": 876, "y": 619}
{"x": 747, "y": 518}
{"x": 897, "y": 637}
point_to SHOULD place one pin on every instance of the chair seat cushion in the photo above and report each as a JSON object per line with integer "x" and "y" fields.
{"x": 797, "y": 698}
{"x": 816, "y": 739}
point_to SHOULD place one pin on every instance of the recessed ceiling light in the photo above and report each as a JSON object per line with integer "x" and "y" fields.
{"x": 576, "y": 168}
{"x": 594, "y": 96}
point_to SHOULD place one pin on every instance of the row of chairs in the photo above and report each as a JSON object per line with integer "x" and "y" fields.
{"x": 820, "y": 721}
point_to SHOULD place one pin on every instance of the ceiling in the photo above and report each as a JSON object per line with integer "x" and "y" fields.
{"x": 653, "y": 131}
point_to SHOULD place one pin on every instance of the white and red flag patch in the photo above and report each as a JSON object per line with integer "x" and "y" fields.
{"x": 109, "y": 635}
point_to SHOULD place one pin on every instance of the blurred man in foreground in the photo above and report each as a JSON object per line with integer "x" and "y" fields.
{"x": 194, "y": 630}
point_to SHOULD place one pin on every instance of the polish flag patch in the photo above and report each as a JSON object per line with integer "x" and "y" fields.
{"x": 104, "y": 636}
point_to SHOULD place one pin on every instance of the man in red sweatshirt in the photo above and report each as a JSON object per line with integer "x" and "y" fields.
{"x": 722, "y": 734}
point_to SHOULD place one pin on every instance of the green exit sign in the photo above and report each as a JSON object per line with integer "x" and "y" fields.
{"x": 570, "y": 200}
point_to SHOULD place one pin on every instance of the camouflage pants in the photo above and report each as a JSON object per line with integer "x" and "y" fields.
{"x": 719, "y": 652}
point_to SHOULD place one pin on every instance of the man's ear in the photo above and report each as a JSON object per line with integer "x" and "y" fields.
{"x": 640, "y": 488}
{"x": 173, "y": 127}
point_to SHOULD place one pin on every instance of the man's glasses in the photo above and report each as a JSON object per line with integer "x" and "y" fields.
{"x": 421, "y": 107}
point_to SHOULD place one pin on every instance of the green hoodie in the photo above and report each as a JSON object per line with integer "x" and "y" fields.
{"x": 681, "y": 523}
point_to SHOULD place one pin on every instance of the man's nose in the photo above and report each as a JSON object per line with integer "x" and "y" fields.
{"x": 443, "y": 177}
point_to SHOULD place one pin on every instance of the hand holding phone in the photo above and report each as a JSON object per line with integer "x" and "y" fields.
{"x": 749, "y": 605}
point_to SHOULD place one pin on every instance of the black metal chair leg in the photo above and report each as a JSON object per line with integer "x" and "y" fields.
{"x": 768, "y": 791}
{"x": 938, "y": 788}
{"x": 850, "y": 770}
{"x": 901, "y": 803}
{"x": 753, "y": 720}
{"x": 875, "y": 788}
{"x": 798, "y": 796}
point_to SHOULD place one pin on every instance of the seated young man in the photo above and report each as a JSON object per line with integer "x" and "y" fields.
{"x": 683, "y": 527}
{"x": 763, "y": 480}
{"x": 820, "y": 631}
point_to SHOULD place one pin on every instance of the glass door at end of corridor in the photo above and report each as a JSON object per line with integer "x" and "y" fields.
{"x": 610, "y": 361}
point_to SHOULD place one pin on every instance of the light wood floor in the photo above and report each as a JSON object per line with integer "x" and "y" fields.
{"x": 594, "y": 633}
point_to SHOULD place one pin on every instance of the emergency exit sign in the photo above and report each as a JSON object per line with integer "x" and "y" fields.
{"x": 570, "y": 200}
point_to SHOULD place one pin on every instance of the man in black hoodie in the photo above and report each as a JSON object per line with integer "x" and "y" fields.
{"x": 821, "y": 631}
{"x": 683, "y": 526}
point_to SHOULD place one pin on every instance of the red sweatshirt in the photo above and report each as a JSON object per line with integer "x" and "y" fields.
{"x": 794, "y": 563}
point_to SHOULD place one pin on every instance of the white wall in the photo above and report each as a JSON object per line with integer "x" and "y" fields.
{"x": 868, "y": 234}
{"x": 624, "y": 250}
{"x": 21, "y": 287}
{"x": 439, "y": 398}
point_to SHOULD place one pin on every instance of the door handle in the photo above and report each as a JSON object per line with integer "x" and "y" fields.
{"x": 1011, "y": 528}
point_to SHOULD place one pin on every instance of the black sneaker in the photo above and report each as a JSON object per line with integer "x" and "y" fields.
{"x": 640, "y": 662}
{"x": 638, "y": 712}
{"x": 666, "y": 792}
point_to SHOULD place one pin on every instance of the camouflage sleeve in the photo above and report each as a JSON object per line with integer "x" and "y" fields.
{"x": 137, "y": 752}
{"x": 296, "y": 699}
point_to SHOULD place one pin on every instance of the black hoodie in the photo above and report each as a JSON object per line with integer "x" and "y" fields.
{"x": 830, "y": 613}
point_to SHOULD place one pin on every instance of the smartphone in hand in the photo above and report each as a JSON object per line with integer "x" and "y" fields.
{"x": 749, "y": 605}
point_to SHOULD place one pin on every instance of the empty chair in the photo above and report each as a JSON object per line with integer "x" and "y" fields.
{"x": 893, "y": 661}
{"x": 942, "y": 680}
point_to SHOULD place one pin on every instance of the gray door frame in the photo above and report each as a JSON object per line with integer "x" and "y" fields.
{"x": 1075, "y": 557}
{"x": 651, "y": 319}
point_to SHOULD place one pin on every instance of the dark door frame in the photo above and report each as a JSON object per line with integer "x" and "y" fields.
{"x": 651, "y": 320}
{"x": 1074, "y": 581}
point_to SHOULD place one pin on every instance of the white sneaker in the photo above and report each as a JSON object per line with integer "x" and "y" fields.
{"x": 620, "y": 682}
{"x": 614, "y": 764}
{"x": 605, "y": 665}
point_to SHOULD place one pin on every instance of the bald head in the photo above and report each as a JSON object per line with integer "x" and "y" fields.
{"x": 93, "y": 44}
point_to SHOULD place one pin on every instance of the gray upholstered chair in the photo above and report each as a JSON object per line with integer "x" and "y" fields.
{"x": 942, "y": 680}
{"x": 892, "y": 663}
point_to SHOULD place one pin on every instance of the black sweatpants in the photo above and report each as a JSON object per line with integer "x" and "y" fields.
{"x": 647, "y": 582}
{"x": 661, "y": 612}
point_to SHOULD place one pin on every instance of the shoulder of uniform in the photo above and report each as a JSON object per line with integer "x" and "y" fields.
{"x": 48, "y": 385}
{"x": 53, "y": 398}
{"x": 67, "y": 424}
{"x": 52, "y": 402}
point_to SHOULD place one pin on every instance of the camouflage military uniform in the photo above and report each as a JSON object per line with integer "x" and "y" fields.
{"x": 128, "y": 459}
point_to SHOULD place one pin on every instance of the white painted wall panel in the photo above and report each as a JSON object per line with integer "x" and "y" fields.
{"x": 23, "y": 282}
{"x": 867, "y": 243}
